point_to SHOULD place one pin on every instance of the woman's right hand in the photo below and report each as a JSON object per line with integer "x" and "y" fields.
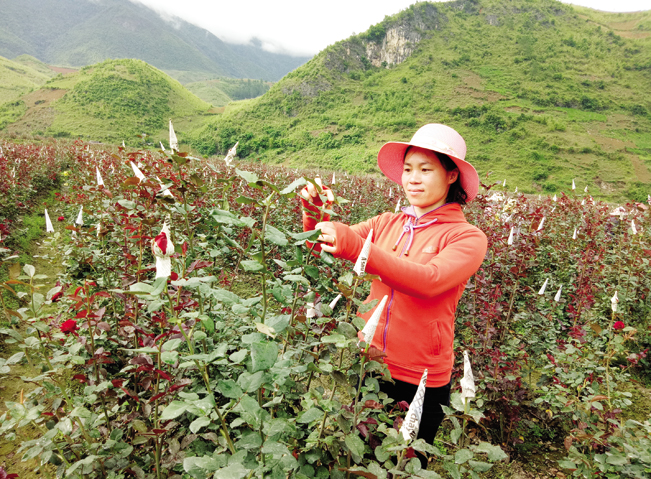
{"x": 312, "y": 200}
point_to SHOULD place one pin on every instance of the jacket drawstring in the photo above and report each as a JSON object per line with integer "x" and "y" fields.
{"x": 409, "y": 228}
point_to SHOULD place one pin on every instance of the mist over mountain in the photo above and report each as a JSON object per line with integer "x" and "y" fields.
{"x": 82, "y": 32}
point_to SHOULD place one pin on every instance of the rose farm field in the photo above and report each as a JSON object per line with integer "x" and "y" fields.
{"x": 180, "y": 325}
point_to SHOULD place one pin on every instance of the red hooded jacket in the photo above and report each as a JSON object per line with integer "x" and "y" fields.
{"x": 424, "y": 264}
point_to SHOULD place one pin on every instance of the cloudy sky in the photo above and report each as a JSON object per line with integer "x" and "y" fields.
{"x": 306, "y": 27}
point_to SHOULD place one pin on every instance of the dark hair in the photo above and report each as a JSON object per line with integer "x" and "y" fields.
{"x": 456, "y": 193}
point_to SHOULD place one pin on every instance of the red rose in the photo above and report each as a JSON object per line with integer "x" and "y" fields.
{"x": 618, "y": 325}
{"x": 61, "y": 218}
{"x": 69, "y": 326}
{"x": 57, "y": 296}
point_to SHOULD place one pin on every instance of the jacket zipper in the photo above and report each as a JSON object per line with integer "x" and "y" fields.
{"x": 386, "y": 323}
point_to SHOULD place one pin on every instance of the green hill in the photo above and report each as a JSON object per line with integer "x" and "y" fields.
{"x": 543, "y": 92}
{"x": 221, "y": 91}
{"x": 114, "y": 100}
{"x": 78, "y": 33}
{"x": 16, "y": 79}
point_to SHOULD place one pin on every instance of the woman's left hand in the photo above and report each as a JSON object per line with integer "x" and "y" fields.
{"x": 328, "y": 236}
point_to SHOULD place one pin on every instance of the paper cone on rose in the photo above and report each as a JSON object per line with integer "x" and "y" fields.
{"x": 360, "y": 264}
{"x": 411, "y": 424}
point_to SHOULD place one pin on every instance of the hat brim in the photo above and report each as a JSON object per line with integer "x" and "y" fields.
{"x": 391, "y": 158}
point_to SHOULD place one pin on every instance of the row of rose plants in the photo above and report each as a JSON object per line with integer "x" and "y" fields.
{"x": 26, "y": 172}
{"x": 242, "y": 364}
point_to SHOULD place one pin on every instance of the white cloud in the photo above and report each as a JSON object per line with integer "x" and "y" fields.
{"x": 307, "y": 27}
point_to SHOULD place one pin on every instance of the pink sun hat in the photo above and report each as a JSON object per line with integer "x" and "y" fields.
{"x": 438, "y": 138}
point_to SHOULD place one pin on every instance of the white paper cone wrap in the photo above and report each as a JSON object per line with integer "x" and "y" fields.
{"x": 582, "y": 202}
{"x": 333, "y": 179}
{"x": 335, "y": 301}
{"x": 99, "y": 229}
{"x": 573, "y": 185}
{"x": 48, "y": 224}
{"x": 230, "y": 156}
{"x": 544, "y": 287}
{"x": 633, "y": 227}
{"x": 613, "y": 302}
{"x": 557, "y": 298}
{"x": 123, "y": 144}
{"x": 164, "y": 191}
{"x": 504, "y": 183}
{"x": 137, "y": 172}
{"x": 100, "y": 181}
{"x": 161, "y": 146}
{"x": 510, "y": 240}
{"x": 468, "y": 380}
{"x": 174, "y": 143}
{"x": 555, "y": 198}
{"x": 574, "y": 235}
{"x": 80, "y": 217}
{"x": 163, "y": 261}
{"x": 360, "y": 264}
{"x": 542, "y": 222}
{"x": 397, "y": 206}
{"x": 411, "y": 424}
{"x": 369, "y": 329}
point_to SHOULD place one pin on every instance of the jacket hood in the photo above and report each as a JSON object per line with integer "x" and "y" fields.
{"x": 447, "y": 213}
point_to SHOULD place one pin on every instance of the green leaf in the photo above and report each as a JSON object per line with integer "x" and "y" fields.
{"x": 264, "y": 355}
{"x": 174, "y": 410}
{"x": 617, "y": 460}
{"x": 495, "y": 453}
{"x": 252, "y": 266}
{"x": 567, "y": 465}
{"x": 310, "y": 415}
{"x": 245, "y": 200}
{"x": 480, "y": 466}
{"x": 275, "y": 236}
{"x": 15, "y": 358}
{"x": 172, "y": 344}
{"x": 141, "y": 288}
{"x": 463, "y": 455}
{"x": 248, "y": 176}
{"x": 293, "y": 185}
{"x": 29, "y": 270}
{"x": 355, "y": 445}
{"x": 128, "y": 204}
{"x": 169, "y": 357}
{"x": 234, "y": 471}
{"x": 312, "y": 271}
{"x": 229, "y": 389}
{"x": 198, "y": 423}
{"x": 297, "y": 278}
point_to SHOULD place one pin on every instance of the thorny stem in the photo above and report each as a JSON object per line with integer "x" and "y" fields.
{"x": 204, "y": 374}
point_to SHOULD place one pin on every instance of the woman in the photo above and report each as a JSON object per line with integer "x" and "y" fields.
{"x": 424, "y": 256}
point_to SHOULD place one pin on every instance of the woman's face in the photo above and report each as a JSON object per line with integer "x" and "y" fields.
{"x": 425, "y": 181}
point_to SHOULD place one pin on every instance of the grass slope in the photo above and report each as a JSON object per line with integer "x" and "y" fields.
{"x": 219, "y": 92}
{"x": 16, "y": 79}
{"x": 542, "y": 92}
{"x": 114, "y": 100}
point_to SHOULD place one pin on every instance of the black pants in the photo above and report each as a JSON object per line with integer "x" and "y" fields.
{"x": 432, "y": 413}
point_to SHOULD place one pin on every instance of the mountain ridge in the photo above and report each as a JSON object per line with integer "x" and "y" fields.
{"x": 542, "y": 92}
{"x": 78, "y": 33}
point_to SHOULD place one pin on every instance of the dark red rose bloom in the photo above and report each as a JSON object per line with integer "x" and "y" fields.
{"x": 161, "y": 241}
{"x": 618, "y": 325}
{"x": 69, "y": 326}
{"x": 61, "y": 218}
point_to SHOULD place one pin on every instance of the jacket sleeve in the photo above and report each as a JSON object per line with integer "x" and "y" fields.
{"x": 456, "y": 263}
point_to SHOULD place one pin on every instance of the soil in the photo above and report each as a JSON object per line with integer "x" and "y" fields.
{"x": 39, "y": 114}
